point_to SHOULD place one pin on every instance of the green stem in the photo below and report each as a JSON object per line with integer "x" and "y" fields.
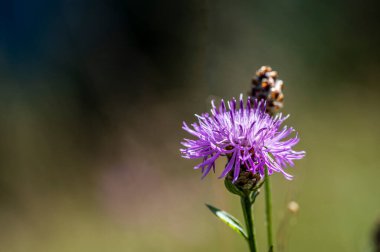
{"x": 248, "y": 217}
{"x": 268, "y": 210}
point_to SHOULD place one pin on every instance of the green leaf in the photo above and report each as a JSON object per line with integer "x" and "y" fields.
{"x": 227, "y": 218}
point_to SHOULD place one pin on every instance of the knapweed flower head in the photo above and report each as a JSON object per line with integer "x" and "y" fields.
{"x": 248, "y": 136}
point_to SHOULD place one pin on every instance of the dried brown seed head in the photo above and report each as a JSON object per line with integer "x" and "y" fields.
{"x": 266, "y": 86}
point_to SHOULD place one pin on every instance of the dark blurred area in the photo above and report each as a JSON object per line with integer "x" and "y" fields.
{"x": 93, "y": 94}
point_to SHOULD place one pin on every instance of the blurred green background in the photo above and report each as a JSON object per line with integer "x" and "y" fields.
{"x": 93, "y": 94}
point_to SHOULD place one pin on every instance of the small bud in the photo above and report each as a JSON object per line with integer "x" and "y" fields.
{"x": 293, "y": 207}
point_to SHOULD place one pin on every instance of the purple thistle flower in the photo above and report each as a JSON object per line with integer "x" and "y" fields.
{"x": 249, "y": 137}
